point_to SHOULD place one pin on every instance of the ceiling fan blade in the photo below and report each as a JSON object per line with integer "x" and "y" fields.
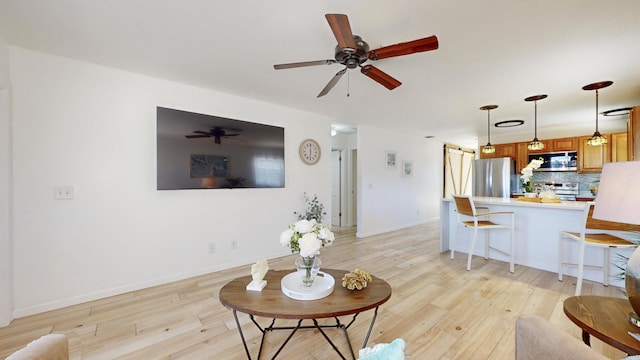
{"x": 196, "y": 136}
{"x": 411, "y": 47}
{"x": 332, "y": 82}
{"x": 202, "y": 132}
{"x": 380, "y": 76}
{"x": 341, "y": 30}
{"x": 304, "y": 63}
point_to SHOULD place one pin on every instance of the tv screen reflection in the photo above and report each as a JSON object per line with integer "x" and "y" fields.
{"x": 199, "y": 151}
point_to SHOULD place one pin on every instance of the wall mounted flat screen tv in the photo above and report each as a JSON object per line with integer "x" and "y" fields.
{"x": 198, "y": 151}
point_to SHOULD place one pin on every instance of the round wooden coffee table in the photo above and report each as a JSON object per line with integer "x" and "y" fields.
{"x": 605, "y": 318}
{"x": 272, "y": 303}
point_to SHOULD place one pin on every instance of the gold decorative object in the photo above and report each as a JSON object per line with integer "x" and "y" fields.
{"x": 357, "y": 279}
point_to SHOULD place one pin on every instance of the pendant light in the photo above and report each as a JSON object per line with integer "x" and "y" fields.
{"x": 535, "y": 144}
{"x": 488, "y": 149}
{"x": 597, "y": 139}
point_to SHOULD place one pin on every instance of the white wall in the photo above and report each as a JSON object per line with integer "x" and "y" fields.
{"x": 387, "y": 199}
{"x": 6, "y": 292}
{"x": 93, "y": 128}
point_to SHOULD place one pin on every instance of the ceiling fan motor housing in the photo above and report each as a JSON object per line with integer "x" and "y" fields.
{"x": 350, "y": 58}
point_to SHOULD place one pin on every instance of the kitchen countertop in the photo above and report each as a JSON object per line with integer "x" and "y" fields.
{"x": 569, "y": 205}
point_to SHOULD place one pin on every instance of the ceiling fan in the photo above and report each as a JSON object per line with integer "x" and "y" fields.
{"x": 353, "y": 52}
{"x": 216, "y": 132}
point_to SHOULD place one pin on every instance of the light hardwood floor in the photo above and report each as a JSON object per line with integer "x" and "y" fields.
{"x": 441, "y": 310}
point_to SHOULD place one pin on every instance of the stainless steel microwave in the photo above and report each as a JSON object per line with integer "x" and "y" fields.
{"x": 557, "y": 161}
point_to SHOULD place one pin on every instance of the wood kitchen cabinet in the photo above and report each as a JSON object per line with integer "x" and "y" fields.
{"x": 564, "y": 144}
{"x": 591, "y": 158}
{"x": 502, "y": 150}
{"x": 522, "y": 158}
{"x": 506, "y": 150}
{"x": 633, "y": 135}
{"x": 619, "y": 147}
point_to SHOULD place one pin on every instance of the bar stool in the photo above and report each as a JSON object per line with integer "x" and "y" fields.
{"x": 594, "y": 234}
{"x": 480, "y": 221}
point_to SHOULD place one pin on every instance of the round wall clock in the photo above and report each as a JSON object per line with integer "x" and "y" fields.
{"x": 309, "y": 151}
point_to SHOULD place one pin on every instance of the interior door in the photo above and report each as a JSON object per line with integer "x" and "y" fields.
{"x": 336, "y": 188}
{"x": 457, "y": 171}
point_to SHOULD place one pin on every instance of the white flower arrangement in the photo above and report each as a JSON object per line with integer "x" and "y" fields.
{"x": 527, "y": 174}
{"x": 307, "y": 237}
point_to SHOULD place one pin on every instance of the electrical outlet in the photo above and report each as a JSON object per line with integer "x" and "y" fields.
{"x": 234, "y": 244}
{"x": 63, "y": 192}
{"x": 212, "y": 248}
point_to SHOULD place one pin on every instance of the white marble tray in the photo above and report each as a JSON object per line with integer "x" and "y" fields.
{"x": 291, "y": 286}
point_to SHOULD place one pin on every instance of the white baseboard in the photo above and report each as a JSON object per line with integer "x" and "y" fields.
{"x": 75, "y": 300}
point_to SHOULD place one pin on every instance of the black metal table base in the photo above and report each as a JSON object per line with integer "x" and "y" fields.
{"x": 293, "y": 329}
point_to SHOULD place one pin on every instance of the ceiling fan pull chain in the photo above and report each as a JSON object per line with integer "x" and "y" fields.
{"x": 348, "y": 83}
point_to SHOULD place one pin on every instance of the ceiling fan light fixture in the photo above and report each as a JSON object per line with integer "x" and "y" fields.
{"x": 488, "y": 149}
{"x": 597, "y": 139}
{"x": 535, "y": 144}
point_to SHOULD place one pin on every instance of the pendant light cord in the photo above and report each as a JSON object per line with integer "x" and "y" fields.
{"x": 535, "y": 119}
{"x": 596, "y": 110}
{"x": 489, "y": 126}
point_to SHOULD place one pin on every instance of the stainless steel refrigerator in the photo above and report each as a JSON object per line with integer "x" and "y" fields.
{"x": 494, "y": 177}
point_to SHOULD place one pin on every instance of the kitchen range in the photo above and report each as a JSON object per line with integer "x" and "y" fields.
{"x": 567, "y": 191}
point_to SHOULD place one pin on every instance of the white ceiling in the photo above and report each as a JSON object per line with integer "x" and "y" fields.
{"x": 491, "y": 52}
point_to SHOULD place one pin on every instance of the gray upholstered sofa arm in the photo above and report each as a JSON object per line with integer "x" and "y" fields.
{"x": 536, "y": 338}
{"x": 48, "y": 347}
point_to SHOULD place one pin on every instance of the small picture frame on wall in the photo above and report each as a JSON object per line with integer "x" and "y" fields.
{"x": 390, "y": 158}
{"x": 407, "y": 168}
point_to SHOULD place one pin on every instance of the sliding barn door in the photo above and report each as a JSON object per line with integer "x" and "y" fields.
{"x": 457, "y": 171}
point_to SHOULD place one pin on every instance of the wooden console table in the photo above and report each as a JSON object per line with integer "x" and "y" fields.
{"x": 606, "y": 319}
{"x": 272, "y": 303}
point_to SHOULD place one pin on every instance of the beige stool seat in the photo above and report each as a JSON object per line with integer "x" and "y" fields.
{"x": 482, "y": 221}
{"x": 592, "y": 235}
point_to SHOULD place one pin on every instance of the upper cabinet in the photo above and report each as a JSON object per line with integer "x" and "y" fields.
{"x": 522, "y": 158}
{"x": 565, "y": 144}
{"x": 502, "y": 150}
{"x": 559, "y": 144}
{"x": 619, "y": 147}
{"x": 633, "y": 135}
{"x": 591, "y": 158}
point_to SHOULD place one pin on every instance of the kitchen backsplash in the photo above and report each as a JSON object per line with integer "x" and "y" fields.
{"x": 585, "y": 181}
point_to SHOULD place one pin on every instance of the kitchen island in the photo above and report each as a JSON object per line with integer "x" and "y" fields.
{"x": 537, "y": 229}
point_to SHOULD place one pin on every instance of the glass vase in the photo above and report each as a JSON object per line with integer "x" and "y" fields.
{"x": 308, "y": 268}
